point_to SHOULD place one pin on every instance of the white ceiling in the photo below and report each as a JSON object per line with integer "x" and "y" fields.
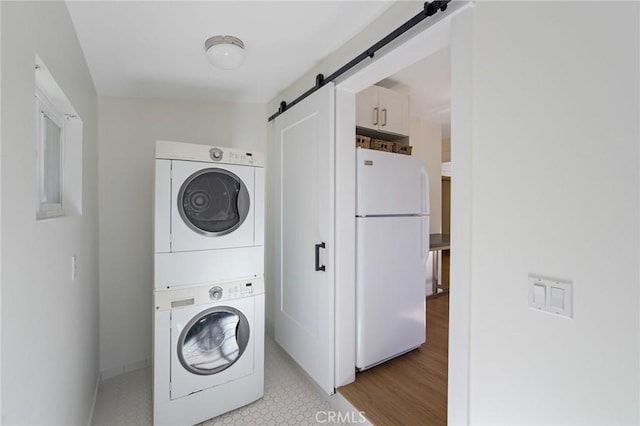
{"x": 155, "y": 49}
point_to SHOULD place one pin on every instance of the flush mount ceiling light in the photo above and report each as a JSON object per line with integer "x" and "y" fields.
{"x": 223, "y": 51}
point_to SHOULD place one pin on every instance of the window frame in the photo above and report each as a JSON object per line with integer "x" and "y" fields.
{"x": 45, "y": 109}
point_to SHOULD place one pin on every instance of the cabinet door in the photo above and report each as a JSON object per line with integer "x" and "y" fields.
{"x": 394, "y": 112}
{"x": 367, "y": 112}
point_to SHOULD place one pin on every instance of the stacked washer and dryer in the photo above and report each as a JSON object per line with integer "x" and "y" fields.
{"x": 208, "y": 344}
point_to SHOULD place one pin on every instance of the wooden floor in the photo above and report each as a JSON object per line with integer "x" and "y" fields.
{"x": 411, "y": 389}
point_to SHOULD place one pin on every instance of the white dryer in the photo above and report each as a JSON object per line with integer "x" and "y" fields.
{"x": 209, "y": 214}
{"x": 208, "y": 350}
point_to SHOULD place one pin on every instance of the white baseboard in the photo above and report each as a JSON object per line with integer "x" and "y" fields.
{"x": 137, "y": 365}
{"x": 123, "y": 369}
{"x": 95, "y": 398}
{"x": 269, "y": 328}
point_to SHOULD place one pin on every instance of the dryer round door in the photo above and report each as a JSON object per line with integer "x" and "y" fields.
{"x": 213, "y": 202}
{"x": 213, "y": 340}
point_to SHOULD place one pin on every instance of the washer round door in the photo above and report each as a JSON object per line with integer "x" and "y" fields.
{"x": 213, "y": 202}
{"x": 213, "y": 340}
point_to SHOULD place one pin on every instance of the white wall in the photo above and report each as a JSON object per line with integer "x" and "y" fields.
{"x": 128, "y": 131}
{"x": 426, "y": 138}
{"x": 49, "y": 323}
{"x": 555, "y": 192}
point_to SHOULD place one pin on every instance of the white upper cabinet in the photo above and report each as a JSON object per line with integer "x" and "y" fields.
{"x": 383, "y": 110}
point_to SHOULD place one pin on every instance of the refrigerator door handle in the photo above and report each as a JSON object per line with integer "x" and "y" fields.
{"x": 318, "y": 247}
{"x": 424, "y": 240}
{"x": 424, "y": 183}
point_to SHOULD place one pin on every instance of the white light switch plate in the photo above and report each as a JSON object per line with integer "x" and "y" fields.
{"x": 551, "y": 295}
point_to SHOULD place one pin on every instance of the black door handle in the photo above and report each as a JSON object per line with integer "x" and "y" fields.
{"x": 318, "y": 247}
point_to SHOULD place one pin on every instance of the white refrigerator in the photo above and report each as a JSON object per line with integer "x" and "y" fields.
{"x": 392, "y": 232}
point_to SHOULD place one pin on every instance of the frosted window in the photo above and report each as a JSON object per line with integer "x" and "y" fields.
{"x": 52, "y": 191}
{"x": 49, "y": 154}
{"x": 58, "y": 146}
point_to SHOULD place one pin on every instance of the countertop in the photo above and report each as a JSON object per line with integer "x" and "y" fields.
{"x": 439, "y": 242}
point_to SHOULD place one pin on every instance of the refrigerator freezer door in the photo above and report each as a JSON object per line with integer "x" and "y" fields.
{"x": 390, "y": 287}
{"x": 390, "y": 184}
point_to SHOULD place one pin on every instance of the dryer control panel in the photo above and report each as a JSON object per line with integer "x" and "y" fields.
{"x": 211, "y": 293}
{"x": 169, "y": 150}
{"x": 236, "y": 157}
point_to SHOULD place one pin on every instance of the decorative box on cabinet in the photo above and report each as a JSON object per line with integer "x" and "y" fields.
{"x": 383, "y": 110}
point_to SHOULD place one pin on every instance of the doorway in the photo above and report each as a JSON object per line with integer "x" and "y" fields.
{"x": 394, "y": 392}
{"x": 453, "y": 30}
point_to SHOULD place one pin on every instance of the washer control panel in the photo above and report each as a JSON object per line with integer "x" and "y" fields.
{"x": 219, "y": 292}
{"x": 241, "y": 290}
{"x": 232, "y": 291}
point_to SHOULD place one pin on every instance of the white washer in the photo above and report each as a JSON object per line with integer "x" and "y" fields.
{"x": 208, "y": 350}
{"x": 209, "y": 214}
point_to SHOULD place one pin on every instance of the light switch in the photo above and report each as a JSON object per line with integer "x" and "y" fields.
{"x": 539, "y": 295}
{"x": 551, "y": 295}
{"x": 557, "y": 297}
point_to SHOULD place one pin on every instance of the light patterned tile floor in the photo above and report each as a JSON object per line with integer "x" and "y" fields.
{"x": 289, "y": 398}
{"x": 124, "y": 400}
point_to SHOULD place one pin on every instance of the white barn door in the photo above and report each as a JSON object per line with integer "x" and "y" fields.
{"x": 304, "y": 234}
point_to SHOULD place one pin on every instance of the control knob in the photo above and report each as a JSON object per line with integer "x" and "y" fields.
{"x": 215, "y": 293}
{"x": 216, "y": 154}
